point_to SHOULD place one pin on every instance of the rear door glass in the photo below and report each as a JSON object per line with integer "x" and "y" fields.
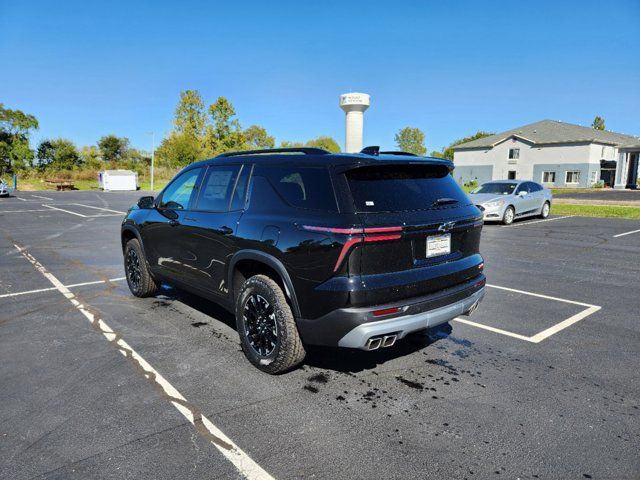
{"x": 303, "y": 187}
{"x": 397, "y": 188}
{"x": 215, "y": 193}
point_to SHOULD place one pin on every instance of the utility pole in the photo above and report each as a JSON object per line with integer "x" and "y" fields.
{"x": 153, "y": 137}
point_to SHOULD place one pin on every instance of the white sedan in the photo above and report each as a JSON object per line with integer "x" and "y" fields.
{"x": 506, "y": 200}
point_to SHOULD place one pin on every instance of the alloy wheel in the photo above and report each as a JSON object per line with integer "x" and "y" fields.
{"x": 134, "y": 273}
{"x": 260, "y": 326}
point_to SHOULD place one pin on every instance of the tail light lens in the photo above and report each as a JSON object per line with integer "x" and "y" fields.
{"x": 373, "y": 234}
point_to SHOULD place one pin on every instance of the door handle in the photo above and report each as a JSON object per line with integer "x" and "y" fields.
{"x": 224, "y": 230}
{"x": 174, "y": 223}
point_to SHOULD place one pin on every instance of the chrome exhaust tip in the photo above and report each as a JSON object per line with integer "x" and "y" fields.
{"x": 472, "y": 308}
{"x": 389, "y": 340}
{"x": 373, "y": 343}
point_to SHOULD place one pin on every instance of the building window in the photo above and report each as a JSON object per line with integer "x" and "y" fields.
{"x": 511, "y": 175}
{"x": 572, "y": 177}
{"x": 514, "y": 153}
{"x": 548, "y": 177}
{"x": 594, "y": 177}
{"x": 604, "y": 150}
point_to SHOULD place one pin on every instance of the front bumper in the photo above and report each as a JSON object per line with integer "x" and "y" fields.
{"x": 353, "y": 327}
{"x": 493, "y": 213}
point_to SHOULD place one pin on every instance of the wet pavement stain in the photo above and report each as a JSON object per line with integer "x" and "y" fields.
{"x": 199, "y": 324}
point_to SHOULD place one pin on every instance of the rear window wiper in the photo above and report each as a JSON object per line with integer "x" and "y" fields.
{"x": 444, "y": 201}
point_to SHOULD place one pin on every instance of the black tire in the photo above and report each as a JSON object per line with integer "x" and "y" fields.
{"x": 267, "y": 329}
{"x": 508, "y": 216}
{"x": 544, "y": 212}
{"x": 139, "y": 278}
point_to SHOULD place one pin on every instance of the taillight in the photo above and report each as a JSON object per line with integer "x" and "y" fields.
{"x": 364, "y": 235}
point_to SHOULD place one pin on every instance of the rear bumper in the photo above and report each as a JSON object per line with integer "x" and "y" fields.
{"x": 353, "y": 327}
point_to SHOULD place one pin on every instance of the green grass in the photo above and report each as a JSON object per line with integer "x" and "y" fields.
{"x": 575, "y": 190}
{"x": 37, "y": 185}
{"x": 603, "y": 211}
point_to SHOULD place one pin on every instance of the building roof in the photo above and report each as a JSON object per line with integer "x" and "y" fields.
{"x": 119, "y": 173}
{"x": 552, "y": 131}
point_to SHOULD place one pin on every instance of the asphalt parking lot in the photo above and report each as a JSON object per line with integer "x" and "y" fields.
{"x": 541, "y": 382}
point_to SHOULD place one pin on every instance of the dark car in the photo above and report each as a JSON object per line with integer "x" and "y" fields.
{"x": 308, "y": 247}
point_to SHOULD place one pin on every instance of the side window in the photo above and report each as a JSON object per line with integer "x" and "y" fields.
{"x": 217, "y": 187}
{"x": 178, "y": 193}
{"x": 534, "y": 187}
{"x": 523, "y": 187}
{"x": 304, "y": 187}
{"x": 240, "y": 193}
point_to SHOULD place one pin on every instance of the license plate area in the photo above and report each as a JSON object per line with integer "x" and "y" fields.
{"x": 438, "y": 245}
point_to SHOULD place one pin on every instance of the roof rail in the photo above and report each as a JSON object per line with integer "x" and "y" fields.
{"x": 305, "y": 150}
{"x": 375, "y": 151}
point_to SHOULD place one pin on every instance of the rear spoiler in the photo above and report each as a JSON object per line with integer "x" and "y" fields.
{"x": 448, "y": 164}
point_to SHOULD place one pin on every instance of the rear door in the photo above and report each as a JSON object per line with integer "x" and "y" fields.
{"x": 440, "y": 226}
{"x": 526, "y": 203}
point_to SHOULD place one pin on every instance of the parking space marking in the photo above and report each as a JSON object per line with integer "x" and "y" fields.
{"x": 74, "y": 285}
{"x": 43, "y": 198}
{"x": 537, "y": 221}
{"x": 21, "y": 199}
{"x": 24, "y": 211}
{"x": 66, "y": 211}
{"x": 626, "y": 233}
{"x": 99, "y": 208}
{"x": 540, "y": 336}
{"x": 245, "y": 464}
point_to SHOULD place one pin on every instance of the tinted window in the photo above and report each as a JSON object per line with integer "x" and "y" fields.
{"x": 303, "y": 187}
{"x": 177, "y": 194}
{"x": 394, "y": 188}
{"x": 523, "y": 187}
{"x": 240, "y": 193}
{"x": 496, "y": 188}
{"x": 215, "y": 193}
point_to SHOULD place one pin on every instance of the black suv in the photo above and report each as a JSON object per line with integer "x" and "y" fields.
{"x": 309, "y": 247}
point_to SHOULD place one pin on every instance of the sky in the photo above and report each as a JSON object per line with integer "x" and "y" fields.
{"x": 86, "y": 69}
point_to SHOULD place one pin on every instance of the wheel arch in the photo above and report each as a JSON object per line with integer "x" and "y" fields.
{"x": 246, "y": 263}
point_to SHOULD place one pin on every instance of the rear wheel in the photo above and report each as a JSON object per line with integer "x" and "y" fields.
{"x": 546, "y": 208}
{"x": 267, "y": 329}
{"x": 139, "y": 278}
{"x": 508, "y": 216}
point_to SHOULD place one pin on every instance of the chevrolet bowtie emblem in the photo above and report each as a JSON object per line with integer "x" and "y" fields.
{"x": 445, "y": 227}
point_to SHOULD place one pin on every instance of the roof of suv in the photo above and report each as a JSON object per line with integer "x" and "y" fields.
{"x": 320, "y": 157}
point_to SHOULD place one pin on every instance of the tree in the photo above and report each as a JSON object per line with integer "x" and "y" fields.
{"x": 225, "y": 134}
{"x": 257, "y": 138}
{"x": 411, "y": 140}
{"x": 15, "y": 127}
{"x": 324, "y": 142}
{"x": 113, "y": 149}
{"x": 59, "y": 154}
{"x": 598, "y": 123}
{"x": 178, "y": 150}
{"x": 448, "y": 152}
{"x": 190, "y": 117}
{"x": 288, "y": 144}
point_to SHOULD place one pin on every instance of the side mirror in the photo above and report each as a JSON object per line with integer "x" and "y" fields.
{"x": 145, "y": 202}
{"x": 523, "y": 193}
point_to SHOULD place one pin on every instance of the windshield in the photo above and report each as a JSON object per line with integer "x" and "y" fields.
{"x": 498, "y": 188}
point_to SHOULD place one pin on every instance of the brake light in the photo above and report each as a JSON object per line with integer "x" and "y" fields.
{"x": 364, "y": 235}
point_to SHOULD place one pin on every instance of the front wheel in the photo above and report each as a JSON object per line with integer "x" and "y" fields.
{"x": 139, "y": 277}
{"x": 267, "y": 329}
{"x": 508, "y": 216}
{"x": 546, "y": 208}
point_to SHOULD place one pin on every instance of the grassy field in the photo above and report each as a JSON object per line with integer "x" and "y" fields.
{"x": 37, "y": 185}
{"x": 604, "y": 211}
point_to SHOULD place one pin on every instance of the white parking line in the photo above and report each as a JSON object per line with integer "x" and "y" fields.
{"x": 44, "y": 198}
{"x": 21, "y": 199}
{"x": 245, "y": 464}
{"x": 99, "y": 208}
{"x": 27, "y": 292}
{"x": 626, "y": 233}
{"x": 536, "y": 221}
{"x": 24, "y": 211}
{"x": 538, "y": 337}
{"x": 66, "y": 211}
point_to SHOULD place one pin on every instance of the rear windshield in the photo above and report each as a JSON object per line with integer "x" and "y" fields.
{"x": 303, "y": 187}
{"x": 497, "y": 188}
{"x": 396, "y": 188}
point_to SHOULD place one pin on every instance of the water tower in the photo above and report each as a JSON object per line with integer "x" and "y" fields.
{"x": 354, "y": 105}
